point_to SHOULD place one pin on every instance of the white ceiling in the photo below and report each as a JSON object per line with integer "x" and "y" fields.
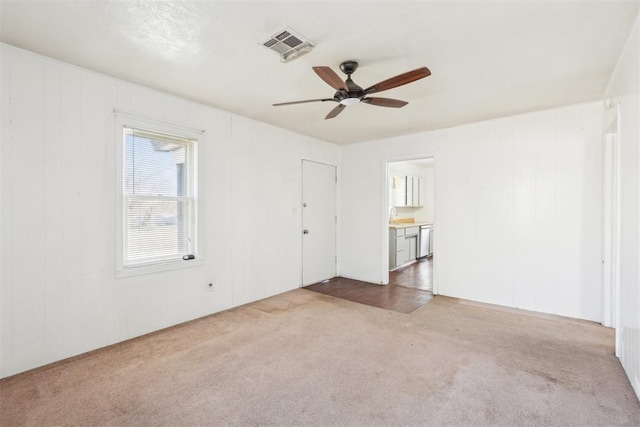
{"x": 488, "y": 58}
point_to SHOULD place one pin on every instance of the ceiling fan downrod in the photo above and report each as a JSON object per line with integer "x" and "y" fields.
{"x": 354, "y": 92}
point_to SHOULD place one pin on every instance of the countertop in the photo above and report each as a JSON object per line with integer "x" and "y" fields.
{"x": 409, "y": 224}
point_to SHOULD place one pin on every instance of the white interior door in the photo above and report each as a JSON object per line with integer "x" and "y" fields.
{"x": 318, "y": 222}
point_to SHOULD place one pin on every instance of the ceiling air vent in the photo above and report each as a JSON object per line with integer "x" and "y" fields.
{"x": 288, "y": 44}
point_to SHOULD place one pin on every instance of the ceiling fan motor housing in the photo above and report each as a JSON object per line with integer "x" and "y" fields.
{"x": 340, "y": 95}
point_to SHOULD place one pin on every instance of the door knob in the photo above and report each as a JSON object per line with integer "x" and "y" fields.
{"x": 305, "y": 231}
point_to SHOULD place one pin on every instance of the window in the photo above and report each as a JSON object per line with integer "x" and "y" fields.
{"x": 159, "y": 197}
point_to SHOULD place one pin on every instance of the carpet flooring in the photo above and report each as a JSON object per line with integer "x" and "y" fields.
{"x": 302, "y": 358}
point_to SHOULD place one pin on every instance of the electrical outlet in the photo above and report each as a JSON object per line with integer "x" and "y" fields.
{"x": 210, "y": 287}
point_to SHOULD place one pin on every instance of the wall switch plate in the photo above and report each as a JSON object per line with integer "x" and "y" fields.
{"x": 210, "y": 287}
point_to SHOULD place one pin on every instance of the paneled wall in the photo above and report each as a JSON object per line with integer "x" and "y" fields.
{"x": 517, "y": 209}
{"x": 58, "y": 293}
{"x": 623, "y": 89}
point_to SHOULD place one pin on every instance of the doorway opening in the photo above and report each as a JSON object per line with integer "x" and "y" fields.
{"x": 410, "y": 207}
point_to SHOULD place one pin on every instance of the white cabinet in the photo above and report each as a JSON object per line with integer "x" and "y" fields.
{"x": 415, "y": 189}
{"x": 407, "y": 190}
{"x": 408, "y": 195}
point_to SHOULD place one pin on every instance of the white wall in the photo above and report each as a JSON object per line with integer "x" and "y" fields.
{"x": 623, "y": 88}
{"x": 58, "y": 293}
{"x": 517, "y": 209}
{"x": 427, "y": 212}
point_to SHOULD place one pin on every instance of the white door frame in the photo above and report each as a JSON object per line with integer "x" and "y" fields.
{"x": 384, "y": 209}
{"x": 301, "y": 216}
{"x": 611, "y": 230}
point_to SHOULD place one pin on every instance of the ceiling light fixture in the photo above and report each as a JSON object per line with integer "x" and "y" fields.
{"x": 350, "y": 101}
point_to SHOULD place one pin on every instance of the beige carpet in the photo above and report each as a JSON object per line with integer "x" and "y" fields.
{"x": 302, "y": 358}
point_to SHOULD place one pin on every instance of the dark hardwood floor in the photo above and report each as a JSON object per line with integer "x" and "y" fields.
{"x": 409, "y": 288}
{"x": 418, "y": 275}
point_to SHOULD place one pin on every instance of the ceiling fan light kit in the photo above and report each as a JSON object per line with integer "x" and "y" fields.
{"x": 350, "y": 101}
{"x": 349, "y": 93}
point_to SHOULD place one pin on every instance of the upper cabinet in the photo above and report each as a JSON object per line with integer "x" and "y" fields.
{"x": 407, "y": 190}
{"x": 415, "y": 185}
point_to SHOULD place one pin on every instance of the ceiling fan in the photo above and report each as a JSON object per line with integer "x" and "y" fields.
{"x": 349, "y": 93}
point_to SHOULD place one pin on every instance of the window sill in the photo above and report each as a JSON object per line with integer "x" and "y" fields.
{"x": 122, "y": 272}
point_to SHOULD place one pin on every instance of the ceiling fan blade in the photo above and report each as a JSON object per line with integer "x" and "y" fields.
{"x": 402, "y": 79}
{"x": 385, "y": 102}
{"x": 335, "y": 111}
{"x": 303, "y": 102}
{"x": 330, "y": 77}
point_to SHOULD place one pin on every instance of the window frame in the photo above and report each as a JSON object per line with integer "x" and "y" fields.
{"x": 159, "y": 126}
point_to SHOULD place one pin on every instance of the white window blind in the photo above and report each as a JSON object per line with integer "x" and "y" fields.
{"x": 159, "y": 197}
